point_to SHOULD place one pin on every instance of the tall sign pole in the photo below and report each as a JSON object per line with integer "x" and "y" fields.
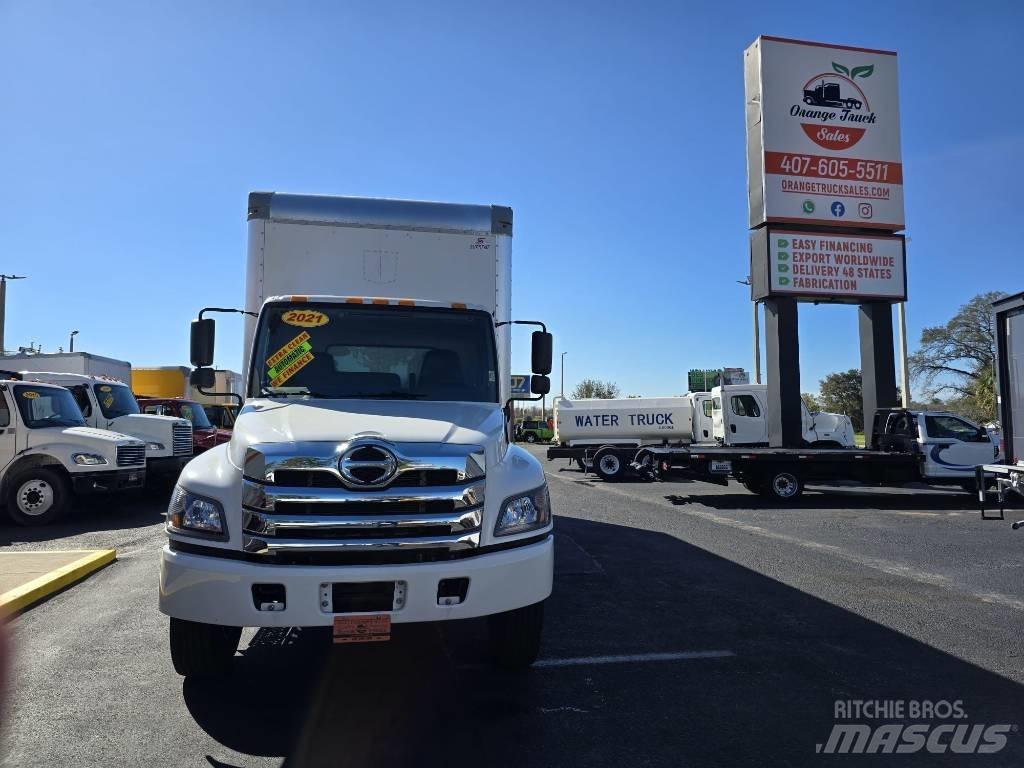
{"x": 3, "y": 305}
{"x": 825, "y": 194}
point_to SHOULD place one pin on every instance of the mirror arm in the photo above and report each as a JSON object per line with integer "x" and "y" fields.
{"x": 237, "y": 397}
{"x": 522, "y": 322}
{"x": 226, "y": 310}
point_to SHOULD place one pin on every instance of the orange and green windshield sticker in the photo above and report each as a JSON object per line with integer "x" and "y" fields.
{"x": 289, "y": 359}
{"x": 305, "y": 318}
{"x": 108, "y": 401}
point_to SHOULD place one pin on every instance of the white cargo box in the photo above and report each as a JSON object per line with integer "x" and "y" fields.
{"x": 630, "y": 421}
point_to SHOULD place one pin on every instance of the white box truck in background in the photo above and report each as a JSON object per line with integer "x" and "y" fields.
{"x": 84, "y": 363}
{"x": 370, "y": 478}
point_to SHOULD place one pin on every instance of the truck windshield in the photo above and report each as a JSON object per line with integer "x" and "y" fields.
{"x": 365, "y": 351}
{"x": 194, "y": 412}
{"x": 115, "y": 400}
{"x": 47, "y": 407}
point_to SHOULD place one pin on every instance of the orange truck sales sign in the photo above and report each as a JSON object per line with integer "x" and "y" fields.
{"x": 823, "y": 135}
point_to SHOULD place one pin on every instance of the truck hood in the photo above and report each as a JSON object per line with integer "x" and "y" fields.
{"x": 83, "y": 436}
{"x": 146, "y": 426}
{"x": 399, "y": 421}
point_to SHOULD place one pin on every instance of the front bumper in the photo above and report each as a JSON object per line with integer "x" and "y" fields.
{"x": 103, "y": 482}
{"x": 163, "y": 466}
{"x": 218, "y": 590}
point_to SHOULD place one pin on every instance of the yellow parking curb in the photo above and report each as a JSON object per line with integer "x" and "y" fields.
{"x": 43, "y": 586}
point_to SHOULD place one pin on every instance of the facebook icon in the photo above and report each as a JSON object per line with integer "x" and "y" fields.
{"x": 838, "y": 209}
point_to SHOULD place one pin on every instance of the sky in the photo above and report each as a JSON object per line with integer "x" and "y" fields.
{"x": 132, "y": 132}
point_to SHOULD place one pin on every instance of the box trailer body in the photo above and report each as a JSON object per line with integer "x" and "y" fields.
{"x": 1008, "y": 324}
{"x": 376, "y": 379}
{"x": 84, "y": 363}
{"x": 165, "y": 381}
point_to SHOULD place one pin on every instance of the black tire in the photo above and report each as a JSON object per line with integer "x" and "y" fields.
{"x": 609, "y": 465}
{"x": 531, "y": 438}
{"x": 38, "y": 496}
{"x": 202, "y": 650}
{"x": 784, "y": 485}
{"x": 515, "y": 636}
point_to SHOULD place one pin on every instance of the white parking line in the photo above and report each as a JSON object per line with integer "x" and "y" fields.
{"x": 632, "y": 658}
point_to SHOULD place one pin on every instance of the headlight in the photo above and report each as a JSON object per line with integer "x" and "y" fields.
{"x": 87, "y": 459}
{"x": 154, "y": 446}
{"x": 523, "y": 513}
{"x": 190, "y": 513}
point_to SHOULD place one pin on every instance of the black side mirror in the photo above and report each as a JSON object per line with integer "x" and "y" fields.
{"x": 201, "y": 348}
{"x": 541, "y": 385}
{"x": 202, "y": 378}
{"x": 541, "y": 354}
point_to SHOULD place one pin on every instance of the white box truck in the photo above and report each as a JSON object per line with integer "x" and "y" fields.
{"x": 48, "y": 454}
{"x": 1008, "y": 323}
{"x": 370, "y": 479}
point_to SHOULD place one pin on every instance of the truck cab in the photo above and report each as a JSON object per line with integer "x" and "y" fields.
{"x": 48, "y": 454}
{"x": 205, "y": 434}
{"x": 738, "y": 417}
{"x": 950, "y": 448}
{"x": 109, "y": 404}
{"x": 370, "y": 479}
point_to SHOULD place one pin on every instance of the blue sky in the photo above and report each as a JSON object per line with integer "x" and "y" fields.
{"x": 132, "y": 133}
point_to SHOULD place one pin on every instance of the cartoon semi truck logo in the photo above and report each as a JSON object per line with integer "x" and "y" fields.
{"x": 833, "y": 103}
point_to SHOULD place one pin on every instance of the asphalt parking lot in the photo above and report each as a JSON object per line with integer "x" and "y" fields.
{"x": 688, "y": 626}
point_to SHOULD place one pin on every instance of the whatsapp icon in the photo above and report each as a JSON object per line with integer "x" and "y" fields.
{"x": 808, "y": 206}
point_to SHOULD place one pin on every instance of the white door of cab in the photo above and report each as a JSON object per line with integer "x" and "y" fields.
{"x": 953, "y": 447}
{"x": 744, "y": 419}
{"x": 703, "y": 419}
{"x": 86, "y": 404}
{"x": 717, "y": 419}
{"x": 8, "y": 431}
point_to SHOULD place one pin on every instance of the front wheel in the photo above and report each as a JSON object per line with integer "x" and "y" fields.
{"x": 38, "y": 496}
{"x": 531, "y": 438}
{"x": 515, "y": 636}
{"x": 202, "y": 650}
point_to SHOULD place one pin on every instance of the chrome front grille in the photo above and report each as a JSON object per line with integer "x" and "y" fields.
{"x": 182, "y": 440}
{"x": 131, "y": 455}
{"x": 318, "y": 512}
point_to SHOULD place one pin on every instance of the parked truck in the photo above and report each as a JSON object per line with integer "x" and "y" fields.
{"x": 933, "y": 447}
{"x": 606, "y": 434}
{"x": 1008, "y": 322}
{"x": 370, "y": 479}
{"x": 108, "y": 403}
{"x": 48, "y": 455}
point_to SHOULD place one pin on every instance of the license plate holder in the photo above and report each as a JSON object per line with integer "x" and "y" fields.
{"x": 374, "y": 628}
{"x": 721, "y": 467}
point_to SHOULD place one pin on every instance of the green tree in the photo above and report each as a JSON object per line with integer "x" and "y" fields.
{"x": 842, "y": 392}
{"x": 956, "y": 360}
{"x": 595, "y": 388}
{"x": 811, "y": 402}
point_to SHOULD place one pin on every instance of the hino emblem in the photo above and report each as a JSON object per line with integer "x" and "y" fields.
{"x": 368, "y": 465}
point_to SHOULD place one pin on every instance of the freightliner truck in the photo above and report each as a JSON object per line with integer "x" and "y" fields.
{"x": 48, "y": 454}
{"x": 1008, "y": 322}
{"x": 370, "y": 479}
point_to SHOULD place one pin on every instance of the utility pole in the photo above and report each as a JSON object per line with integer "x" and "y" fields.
{"x": 904, "y": 366}
{"x": 3, "y": 304}
{"x": 757, "y": 345}
{"x": 562, "y": 390}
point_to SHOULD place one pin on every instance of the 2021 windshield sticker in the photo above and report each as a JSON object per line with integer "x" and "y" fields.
{"x": 289, "y": 359}
{"x": 30, "y": 395}
{"x": 305, "y": 318}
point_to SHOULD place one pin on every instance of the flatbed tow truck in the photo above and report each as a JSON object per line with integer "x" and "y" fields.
{"x": 935, "y": 448}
